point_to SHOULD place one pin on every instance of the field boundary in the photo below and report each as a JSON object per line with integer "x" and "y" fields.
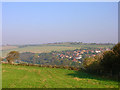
{"x": 49, "y": 66}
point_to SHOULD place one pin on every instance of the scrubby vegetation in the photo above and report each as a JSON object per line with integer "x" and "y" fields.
{"x": 13, "y": 55}
{"x": 107, "y": 63}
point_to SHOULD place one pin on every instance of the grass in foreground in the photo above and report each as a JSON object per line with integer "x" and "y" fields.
{"x": 41, "y": 77}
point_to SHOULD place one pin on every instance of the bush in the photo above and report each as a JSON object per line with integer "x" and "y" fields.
{"x": 92, "y": 64}
{"x": 11, "y": 56}
{"x": 108, "y": 62}
{"x": 116, "y": 49}
{"x": 111, "y": 60}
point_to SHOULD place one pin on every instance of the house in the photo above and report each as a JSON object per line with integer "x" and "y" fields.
{"x": 74, "y": 60}
{"x": 97, "y": 51}
{"x": 66, "y": 56}
{"x": 79, "y": 62}
{"x": 79, "y": 57}
{"x": 107, "y": 49}
{"x": 4, "y": 62}
{"x": 70, "y": 57}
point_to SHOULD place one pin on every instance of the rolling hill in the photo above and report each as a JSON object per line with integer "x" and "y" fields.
{"x": 44, "y": 48}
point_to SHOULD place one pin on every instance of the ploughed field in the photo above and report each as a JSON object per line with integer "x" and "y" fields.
{"x": 43, "y": 77}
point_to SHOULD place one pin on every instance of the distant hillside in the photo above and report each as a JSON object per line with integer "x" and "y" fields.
{"x": 38, "y": 49}
{"x": 44, "y": 48}
{"x": 41, "y": 77}
{"x": 7, "y": 47}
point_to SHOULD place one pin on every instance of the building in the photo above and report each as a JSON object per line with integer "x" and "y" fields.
{"x": 79, "y": 57}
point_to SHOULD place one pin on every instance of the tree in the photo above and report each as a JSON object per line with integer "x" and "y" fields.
{"x": 34, "y": 58}
{"x": 116, "y": 49}
{"x": 111, "y": 60}
{"x": 92, "y": 64}
{"x": 108, "y": 60}
{"x": 1, "y": 59}
{"x": 11, "y": 56}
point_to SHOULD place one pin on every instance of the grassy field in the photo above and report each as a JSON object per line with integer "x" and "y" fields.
{"x": 38, "y": 49}
{"x": 48, "y": 48}
{"x": 8, "y": 47}
{"x": 41, "y": 77}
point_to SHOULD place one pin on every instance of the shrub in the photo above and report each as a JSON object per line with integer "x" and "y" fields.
{"x": 92, "y": 64}
{"x": 107, "y": 62}
{"x": 11, "y": 56}
{"x": 50, "y": 66}
{"x": 116, "y": 49}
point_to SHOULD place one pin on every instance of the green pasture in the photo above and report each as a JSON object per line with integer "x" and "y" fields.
{"x": 41, "y": 77}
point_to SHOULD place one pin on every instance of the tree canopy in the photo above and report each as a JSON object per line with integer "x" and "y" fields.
{"x": 13, "y": 55}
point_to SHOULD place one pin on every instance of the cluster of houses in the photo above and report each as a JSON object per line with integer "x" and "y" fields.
{"x": 79, "y": 54}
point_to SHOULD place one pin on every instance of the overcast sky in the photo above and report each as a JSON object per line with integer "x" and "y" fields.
{"x": 36, "y": 23}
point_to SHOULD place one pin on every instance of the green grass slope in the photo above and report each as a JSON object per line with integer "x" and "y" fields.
{"x": 41, "y": 77}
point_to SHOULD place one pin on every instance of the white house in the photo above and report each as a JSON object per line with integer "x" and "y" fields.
{"x": 97, "y": 51}
{"x": 79, "y": 57}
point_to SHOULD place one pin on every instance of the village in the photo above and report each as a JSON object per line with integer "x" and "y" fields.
{"x": 66, "y": 56}
{"x": 79, "y": 55}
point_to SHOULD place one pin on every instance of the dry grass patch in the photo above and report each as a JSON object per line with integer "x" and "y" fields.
{"x": 78, "y": 79}
{"x": 44, "y": 80}
{"x": 4, "y": 71}
{"x": 22, "y": 69}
